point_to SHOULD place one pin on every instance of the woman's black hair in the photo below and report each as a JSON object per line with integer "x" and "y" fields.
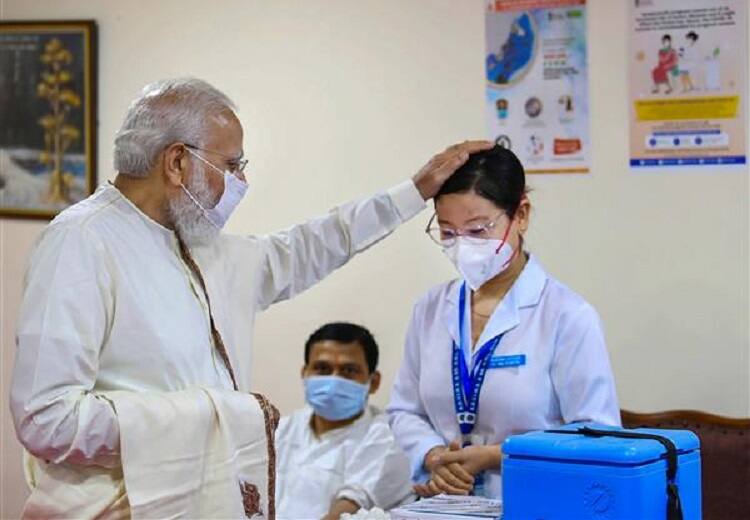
{"x": 495, "y": 174}
{"x": 692, "y": 35}
{"x": 666, "y": 37}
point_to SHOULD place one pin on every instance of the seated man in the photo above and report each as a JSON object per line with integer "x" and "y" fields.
{"x": 338, "y": 454}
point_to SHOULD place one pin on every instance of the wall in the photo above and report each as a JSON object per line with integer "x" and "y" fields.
{"x": 340, "y": 99}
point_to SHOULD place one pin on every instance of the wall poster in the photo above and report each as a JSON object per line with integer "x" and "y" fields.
{"x": 688, "y": 82}
{"x": 537, "y": 101}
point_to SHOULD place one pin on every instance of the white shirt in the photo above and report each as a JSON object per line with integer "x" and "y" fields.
{"x": 108, "y": 304}
{"x": 360, "y": 462}
{"x": 567, "y": 376}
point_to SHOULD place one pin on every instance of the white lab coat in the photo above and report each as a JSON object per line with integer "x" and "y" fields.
{"x": 361, "y": 462}
{"x": 567, "y": 376}
{"x": 688, "y": 59}
{"x": 108, "y": 304}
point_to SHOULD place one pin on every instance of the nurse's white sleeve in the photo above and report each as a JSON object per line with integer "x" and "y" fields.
{"x": 62, "y": 325}
{"x": 581, "y": 372}
{"x": 409, "y": 421}
{"x": 303, "y": 255}
{"x": 377, "y": 473}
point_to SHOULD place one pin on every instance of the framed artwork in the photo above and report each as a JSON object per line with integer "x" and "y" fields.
{"x": 47, "y": 116}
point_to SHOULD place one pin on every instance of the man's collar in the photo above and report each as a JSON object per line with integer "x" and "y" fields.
{"x": 168, "y": 233}
{"x": 365, "y": 416}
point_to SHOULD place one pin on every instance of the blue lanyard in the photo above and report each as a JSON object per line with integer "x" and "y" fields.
{"x": 468, "y": 384}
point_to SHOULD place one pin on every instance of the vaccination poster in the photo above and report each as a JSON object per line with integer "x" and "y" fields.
{"x": 537, "y": 82}
{"x": 688, "y": 82}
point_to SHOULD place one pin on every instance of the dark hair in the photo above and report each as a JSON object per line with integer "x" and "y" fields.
{"x": 346, "y": 333}
{"x": 495, "y": 174}
{"x": 692, "y": 35}
{"x": 666, "y": 37}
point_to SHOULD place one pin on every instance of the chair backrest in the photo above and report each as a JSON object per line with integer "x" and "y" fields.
{"x": 725, "y": 456}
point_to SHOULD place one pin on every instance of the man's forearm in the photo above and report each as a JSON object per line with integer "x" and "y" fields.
{"x": 339, "y": 507}
{"x": 75, "y": 427}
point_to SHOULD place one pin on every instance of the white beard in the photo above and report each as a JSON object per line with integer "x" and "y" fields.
{"x": 191, "y": 223}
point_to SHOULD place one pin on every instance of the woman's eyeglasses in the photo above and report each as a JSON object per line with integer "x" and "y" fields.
{"x": 446, "y": 237}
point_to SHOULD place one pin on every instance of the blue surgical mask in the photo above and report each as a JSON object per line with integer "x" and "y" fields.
{"x": 335, "y": 398}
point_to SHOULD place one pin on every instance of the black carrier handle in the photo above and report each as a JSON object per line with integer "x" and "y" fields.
{"x": 674, "y": 507}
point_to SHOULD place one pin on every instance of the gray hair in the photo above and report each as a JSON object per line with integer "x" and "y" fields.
{"x": 165, "y": 112}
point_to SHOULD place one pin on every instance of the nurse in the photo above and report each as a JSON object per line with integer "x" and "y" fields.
{"x": 501, "y": 350}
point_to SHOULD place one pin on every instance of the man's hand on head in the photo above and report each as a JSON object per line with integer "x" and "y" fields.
{"x": 433, "y": 174}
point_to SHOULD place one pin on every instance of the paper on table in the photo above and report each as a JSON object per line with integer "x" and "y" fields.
{"x": 444, "y": 507}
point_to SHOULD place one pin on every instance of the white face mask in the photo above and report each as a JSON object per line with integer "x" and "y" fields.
{"x": 234, "y": 190}
{"x": 479, "y": 260}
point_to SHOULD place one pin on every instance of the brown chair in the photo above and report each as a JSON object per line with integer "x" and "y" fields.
{"x": 725, "y": 457}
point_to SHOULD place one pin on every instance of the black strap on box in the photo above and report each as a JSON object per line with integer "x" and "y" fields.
{"x": 674, "y": 507}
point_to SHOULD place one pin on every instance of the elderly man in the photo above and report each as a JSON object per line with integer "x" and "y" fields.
{"x": 130, "y": 390}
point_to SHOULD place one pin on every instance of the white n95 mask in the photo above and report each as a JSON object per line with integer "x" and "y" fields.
{"x": 479, "y": 261}
{"x": 234, "y": 190}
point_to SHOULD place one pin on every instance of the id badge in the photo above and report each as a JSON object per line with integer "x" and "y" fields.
{"x": 515, "y": 360}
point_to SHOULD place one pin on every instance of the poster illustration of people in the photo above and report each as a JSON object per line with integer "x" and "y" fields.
{"x": 537, "y": 82}
{"x": 688, "y": 82}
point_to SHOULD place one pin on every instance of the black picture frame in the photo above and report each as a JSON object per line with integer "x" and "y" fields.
{"x": 48, "y": 116}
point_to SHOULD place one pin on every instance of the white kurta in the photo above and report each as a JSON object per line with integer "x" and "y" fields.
{"x": 361, "y": 462}
{"x": 224, "y": 444}
{"x": 567, "y": 376}
{"x": 108, "y": 304}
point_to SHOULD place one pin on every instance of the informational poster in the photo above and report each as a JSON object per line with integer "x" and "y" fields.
{"x": 537, "y": 101}
{"x": 688, "y": 82}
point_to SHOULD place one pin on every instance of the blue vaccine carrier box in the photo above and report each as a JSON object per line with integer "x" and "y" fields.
{"x": 576, "y": 476}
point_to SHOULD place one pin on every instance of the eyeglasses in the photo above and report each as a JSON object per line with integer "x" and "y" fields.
{"x": 446, "y": 237}
{"x": 235, "y": 165}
